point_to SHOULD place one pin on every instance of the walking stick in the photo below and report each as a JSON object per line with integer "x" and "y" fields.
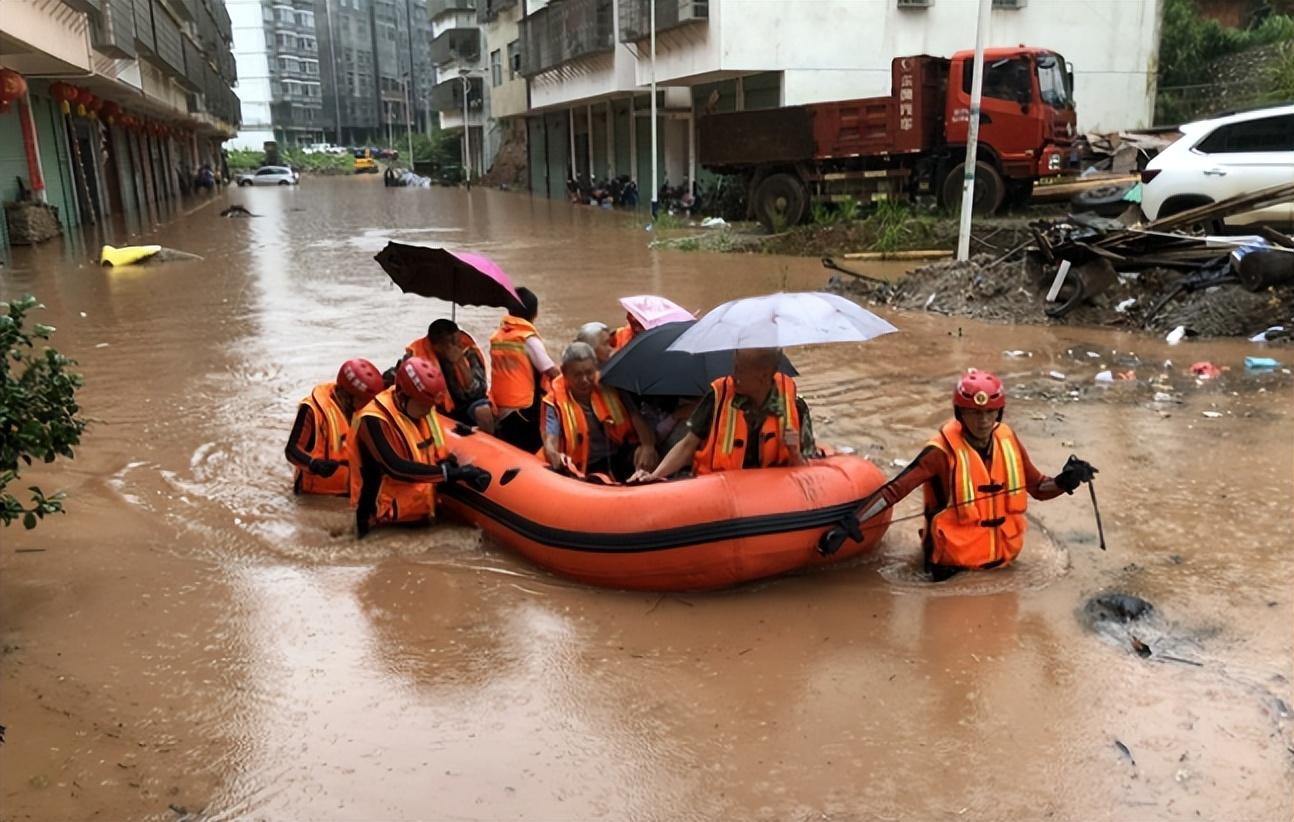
{"x": 1096, "y": 509}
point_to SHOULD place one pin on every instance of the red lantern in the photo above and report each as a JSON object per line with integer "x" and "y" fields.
{"x": 12, "y": 86}
{"x": 65, "y": 94}
{"x": 110, "y": 111}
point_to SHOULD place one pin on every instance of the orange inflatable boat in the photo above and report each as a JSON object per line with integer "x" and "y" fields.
{"x": 691, "y": 534}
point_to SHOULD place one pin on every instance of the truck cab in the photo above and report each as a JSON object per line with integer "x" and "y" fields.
{"x": 1027, "y": 116}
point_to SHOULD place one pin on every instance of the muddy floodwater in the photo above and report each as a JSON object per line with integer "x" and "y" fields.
{"x": 191, "y": 640}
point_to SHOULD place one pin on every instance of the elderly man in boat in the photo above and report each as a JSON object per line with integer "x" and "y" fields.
{"x": 589, "y": 428}
{"x": 750, "y": 419}
{"x": 398, "y": 451}
{"x": 597, "y": 336}
{"x": 976, "y": 477}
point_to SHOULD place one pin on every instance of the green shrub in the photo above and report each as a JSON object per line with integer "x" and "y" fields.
{"x": 39, "y": 416}
{"x": 890, "y": 225}
{"x": 824, "y": 214}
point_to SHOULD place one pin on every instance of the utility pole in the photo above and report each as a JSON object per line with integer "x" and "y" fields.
{"x": 972, "y": 131}
{"x": 655, "y": 185}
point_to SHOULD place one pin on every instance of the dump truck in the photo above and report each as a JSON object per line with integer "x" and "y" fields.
{"x": 908, "y": 144}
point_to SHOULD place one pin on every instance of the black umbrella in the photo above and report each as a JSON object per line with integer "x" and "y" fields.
{"x": 460, "y": 277}
{"x": 645, "y": 368}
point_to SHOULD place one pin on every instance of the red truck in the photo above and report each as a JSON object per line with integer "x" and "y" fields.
{"x": 910, "y": 143}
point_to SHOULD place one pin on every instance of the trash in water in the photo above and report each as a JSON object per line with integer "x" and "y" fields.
{"x": 1093, "y": 355}
{"x": 1123, "y": 749}
{"x": 1017, "y": 353}
{"x": 1124, "y": 305}
{"x": 1056, "y": 375}
{"x": 1160, "y": 396}
{"x": 1175, "y": 336}
{"x": 1260, "y": 362}
{"x": 1213, "y": 415}
{"x": 1205, "y": 370}
{"x": 1104, "y": 376}
{"x": 102, "y": 345}
{"x": 1142, "y": 649}
{"x": 1126, "y": 375}
{"x": 930, "y": 301}
{"x": 714, "y": 222}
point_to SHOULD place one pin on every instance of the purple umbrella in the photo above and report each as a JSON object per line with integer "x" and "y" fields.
{"x": 456, "y": 276}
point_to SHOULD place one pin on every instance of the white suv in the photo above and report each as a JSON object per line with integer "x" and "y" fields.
{"x": 270, "y": 176}
{"x": 1220, "y": 158}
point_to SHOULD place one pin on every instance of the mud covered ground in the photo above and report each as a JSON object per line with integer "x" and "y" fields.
{"x": 1007, "y": 293}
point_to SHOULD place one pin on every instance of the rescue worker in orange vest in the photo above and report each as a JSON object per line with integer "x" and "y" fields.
{"x": 589, "y": 428}
{"x": 317, "y": 445}
{"x": 521, "y": 370}
{"x": 461, "y": 361}
{"x": 975, "y": 475}
{"x": 752, "y": 419}
{"x": 399, "y": 454}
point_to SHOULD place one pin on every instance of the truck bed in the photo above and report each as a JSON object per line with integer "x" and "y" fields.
{"x": 909, "y": 120}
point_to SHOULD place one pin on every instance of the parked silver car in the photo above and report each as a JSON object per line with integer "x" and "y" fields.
{"x": 270, "y": 176}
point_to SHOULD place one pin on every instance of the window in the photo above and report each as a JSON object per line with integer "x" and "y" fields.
{"x": 265, "y": 172}
{"x": 1003, "y": 80}
{"x": 1265, "y": 134}
{"x": 514, "y": 59}
{"x": 496, "y": 68}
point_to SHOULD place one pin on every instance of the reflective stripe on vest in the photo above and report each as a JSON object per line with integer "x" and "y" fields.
{"x": 331, "y": 429}
{"x": 721, "y": 451}
{"x": 607, "y": 408}
{"x": 420, "y": 441}
{"x": 983, "y": 519}
{"x": 512, "y": 375}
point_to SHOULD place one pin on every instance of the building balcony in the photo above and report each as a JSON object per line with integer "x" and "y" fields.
{"x": 448, "y": 95}
{"x": 635, "y": 16}
{"x": 456, "y": 44}
{"x": 436, "y": 8}
{"x": 488, "y": 10}
{"x": 563, "y": 31}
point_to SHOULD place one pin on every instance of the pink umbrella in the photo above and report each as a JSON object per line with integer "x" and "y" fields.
{"x": 460, "y": 277}
{"x": 651, "y": 311}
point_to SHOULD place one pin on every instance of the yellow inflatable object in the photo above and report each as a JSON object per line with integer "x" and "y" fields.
{"x": 127, "y": 255}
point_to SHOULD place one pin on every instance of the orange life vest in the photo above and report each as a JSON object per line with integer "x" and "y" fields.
{"x": 331, "y": 429}
{"x": 416, "y": 440}
{"x": 460, "y": 377}
{"x": 512, "y": 374}
{"x": 608, "y": 409}
{"x": 983, "y": 521}
{"x": 621, "y": 337}
{"x": 725, "y": 448}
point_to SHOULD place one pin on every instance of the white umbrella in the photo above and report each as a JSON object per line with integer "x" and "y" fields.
{"x": 781, "y": 320}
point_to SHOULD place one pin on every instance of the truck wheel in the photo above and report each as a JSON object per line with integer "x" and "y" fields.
{"x": 780, "y": 202}
{"x": 989, "y": 189}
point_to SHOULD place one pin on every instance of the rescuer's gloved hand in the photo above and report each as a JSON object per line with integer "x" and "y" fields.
{"x": 832, "y": 540}
{"x": 324, "y": 468}
{"x": 477, "y": 478}
{"x": 1075, "y": 473}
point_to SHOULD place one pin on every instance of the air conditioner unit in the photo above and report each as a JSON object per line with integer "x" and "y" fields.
{"x": 695, "y": 10}
{"x": 915, "y": 4}
{"x": 1009, "y": 4}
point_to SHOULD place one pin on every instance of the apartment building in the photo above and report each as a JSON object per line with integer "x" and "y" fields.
{"x": 506, "y": 94}
{"x": 588, "y": 66}
{"x": 459, "y": 93}
{"x": 346, "y": 71}
{"x": 120, "y": 102}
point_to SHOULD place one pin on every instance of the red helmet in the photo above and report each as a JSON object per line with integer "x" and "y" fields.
{"x": 361, "y": 379}
{"x": 979, "y": 389}
{"x": 420, "y": 379}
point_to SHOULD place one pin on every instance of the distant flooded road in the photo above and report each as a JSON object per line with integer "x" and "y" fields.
{"x": 193, "y": 640}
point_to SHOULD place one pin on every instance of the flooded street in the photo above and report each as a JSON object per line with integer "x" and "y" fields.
{"x": 193, "y": 639}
